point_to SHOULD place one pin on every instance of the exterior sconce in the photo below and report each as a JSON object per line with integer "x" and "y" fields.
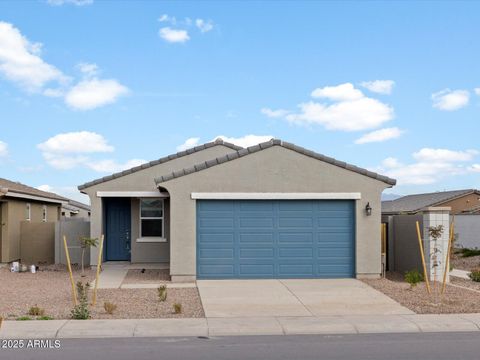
{"x": 368, "y": 209}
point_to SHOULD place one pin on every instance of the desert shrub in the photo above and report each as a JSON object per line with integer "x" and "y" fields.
{"x": 162, "y": 292}
{"x": 36, "y": 311}
{"x": 470, "y": 252}
{"x": 81, "y": 311}
{"x": 177, "y": 308}
{"x": 109, "y": 307}
{"x": 475, "y": 275}
{"x": 413, "y": 277}
{"x": 46, "y": 317}
{"x": 24, "y": 318}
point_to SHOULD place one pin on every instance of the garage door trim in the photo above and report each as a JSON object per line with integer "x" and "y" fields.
{"x": 276, "y": 196}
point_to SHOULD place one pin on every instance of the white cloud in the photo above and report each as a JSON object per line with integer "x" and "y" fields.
{"x": 20, "y": 61}
{"x": 431, "y": 166}
{"x": 111, "y": 166}
{"x": 88, "y": 69}
{"x": 70, "y": 192}
{"x": 247, "y": 140}
{"x": 76, "y": 142}
{"x": 474, "y": 168}
{"x": 444, "y": 155}
{"x": 344, "y": 108}
{"x": 73, "y": 2}
{"x": 380, "y": 135}
{"x": 93, "y": 93}
{"x": 3, "y": 149}
{"x": 279, "y": 113}
{"x": 204, "y": 25}
{"x": 188, "y": 144}
{"x": 477, "y": 91}
{"x": 69, "y": 150}
{"x": 167, "y": 18}
{"x": 173, "y": 36}
{"x": 450, "y": 100}
{"x": 379, "y": 86}
{"x": 342, "y": 92}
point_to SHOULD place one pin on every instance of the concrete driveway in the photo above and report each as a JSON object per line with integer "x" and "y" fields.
{"x": 245, "y": 298}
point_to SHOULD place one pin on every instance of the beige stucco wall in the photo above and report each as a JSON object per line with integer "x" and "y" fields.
{"x": 142, "y": 180}
{"x": 275, "y": 169}
{"x": 13, "y": 213}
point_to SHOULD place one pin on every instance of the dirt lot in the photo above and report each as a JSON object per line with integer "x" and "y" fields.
{"x": 455, "y": 300}
{"x": 465, "y": 263}
{"x": 50, "y": 289}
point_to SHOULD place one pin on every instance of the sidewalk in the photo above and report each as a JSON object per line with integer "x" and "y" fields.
{"x": 360, "y": 324}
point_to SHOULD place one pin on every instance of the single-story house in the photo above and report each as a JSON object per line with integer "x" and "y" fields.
{"x": 460, "y": 201}
{"x": 75, "y": 210}
{"x": 21, "y": 203}
{"x": 217, "y": 211}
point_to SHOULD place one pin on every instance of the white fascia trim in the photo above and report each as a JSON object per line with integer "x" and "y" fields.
{"x": 277, "y": 196}
{"x": 33, "y": 197}
{"x": 138, "y": 194}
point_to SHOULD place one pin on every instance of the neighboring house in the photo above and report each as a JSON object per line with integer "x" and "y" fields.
{"x": 75, "y": 210}
{"x": 274, "y": 210}
{"x": 21, "y": 203}
{"x": 460, "y": 201}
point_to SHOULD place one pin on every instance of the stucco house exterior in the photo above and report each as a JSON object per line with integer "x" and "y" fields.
{"x": 75, "y": 210}
{"x": 21, "y": 203}
{"x": 217, "y": 211}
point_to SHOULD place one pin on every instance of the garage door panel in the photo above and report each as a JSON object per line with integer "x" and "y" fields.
{"x": 295, "y": 238}
{"x": 216, "y": 238}
{"x": 256, "y": 253}
{"x": 275, "y": 239}
{"x": 256, "y": 222}
{"x": 257, "y": 270}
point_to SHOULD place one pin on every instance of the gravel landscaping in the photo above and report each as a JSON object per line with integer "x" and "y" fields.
{"x": 147, "y": 276}
{"x": 465, "y": 283}
{"x": 50, "y": 290}
{"x": 455, "y": 299}
{"x": 465, "y": 263}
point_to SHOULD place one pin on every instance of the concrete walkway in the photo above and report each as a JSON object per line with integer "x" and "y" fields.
{"x": 460, "y": 273}
{"x": 270, "y": 325}
{"x": 312, "y": 297}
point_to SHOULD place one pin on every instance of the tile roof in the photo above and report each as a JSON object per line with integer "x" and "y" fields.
{"x": 20, "y": 188}
{"x": 414, "y": 203}
{"x": 266, "y": 145}
{"x": 74, "y": 205}
{"x": 160, "y": 161}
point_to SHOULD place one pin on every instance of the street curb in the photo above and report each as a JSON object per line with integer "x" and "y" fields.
{"x": 228, "y": 326}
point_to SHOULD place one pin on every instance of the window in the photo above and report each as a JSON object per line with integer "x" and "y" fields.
{"x": 44, "y": 213}
{"x": 151, "y": 218}
{"x": 28, "y": 212}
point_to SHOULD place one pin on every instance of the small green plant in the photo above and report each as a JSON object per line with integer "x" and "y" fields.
{"x": 413, "y": 277}
{"x": 86, "y": 242}
{"x": 177, "y": 308}
{"x": 24, "y": 318}
{"x": 162, "y": 292}
{"x": 109, "y": 307}
{"x": 475, "y": 275}
{"x": 36, "y": 311}
{"x": 81, "y": 311}
{"x": 470, "y": 252}
{"x": 45, "y": 317}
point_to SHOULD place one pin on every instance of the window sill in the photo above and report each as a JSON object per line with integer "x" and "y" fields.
{"x": 151, "y": 240}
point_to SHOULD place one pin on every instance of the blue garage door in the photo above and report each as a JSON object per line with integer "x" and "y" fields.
{"x": 275, "y": 239}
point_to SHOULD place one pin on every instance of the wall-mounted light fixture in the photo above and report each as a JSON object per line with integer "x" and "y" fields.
{"x": 368, "y": 209}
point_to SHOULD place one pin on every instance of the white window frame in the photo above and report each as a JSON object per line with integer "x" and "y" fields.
{"x": 151, "y": 239}
{"x": 44, "y": 213}
{"x": 28, "y": 209}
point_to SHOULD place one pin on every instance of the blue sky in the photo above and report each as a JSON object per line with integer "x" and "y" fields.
{"x": 88, "y": 88}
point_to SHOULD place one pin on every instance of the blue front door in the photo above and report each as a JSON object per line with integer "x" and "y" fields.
{"x": 118, "y": 229}
{"x": 275, "y": 239}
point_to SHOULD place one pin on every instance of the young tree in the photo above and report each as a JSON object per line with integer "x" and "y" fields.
{"x": 86, "y": 242}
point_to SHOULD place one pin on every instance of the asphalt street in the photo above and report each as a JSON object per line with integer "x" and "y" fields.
{"x": 425, "y": 346}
